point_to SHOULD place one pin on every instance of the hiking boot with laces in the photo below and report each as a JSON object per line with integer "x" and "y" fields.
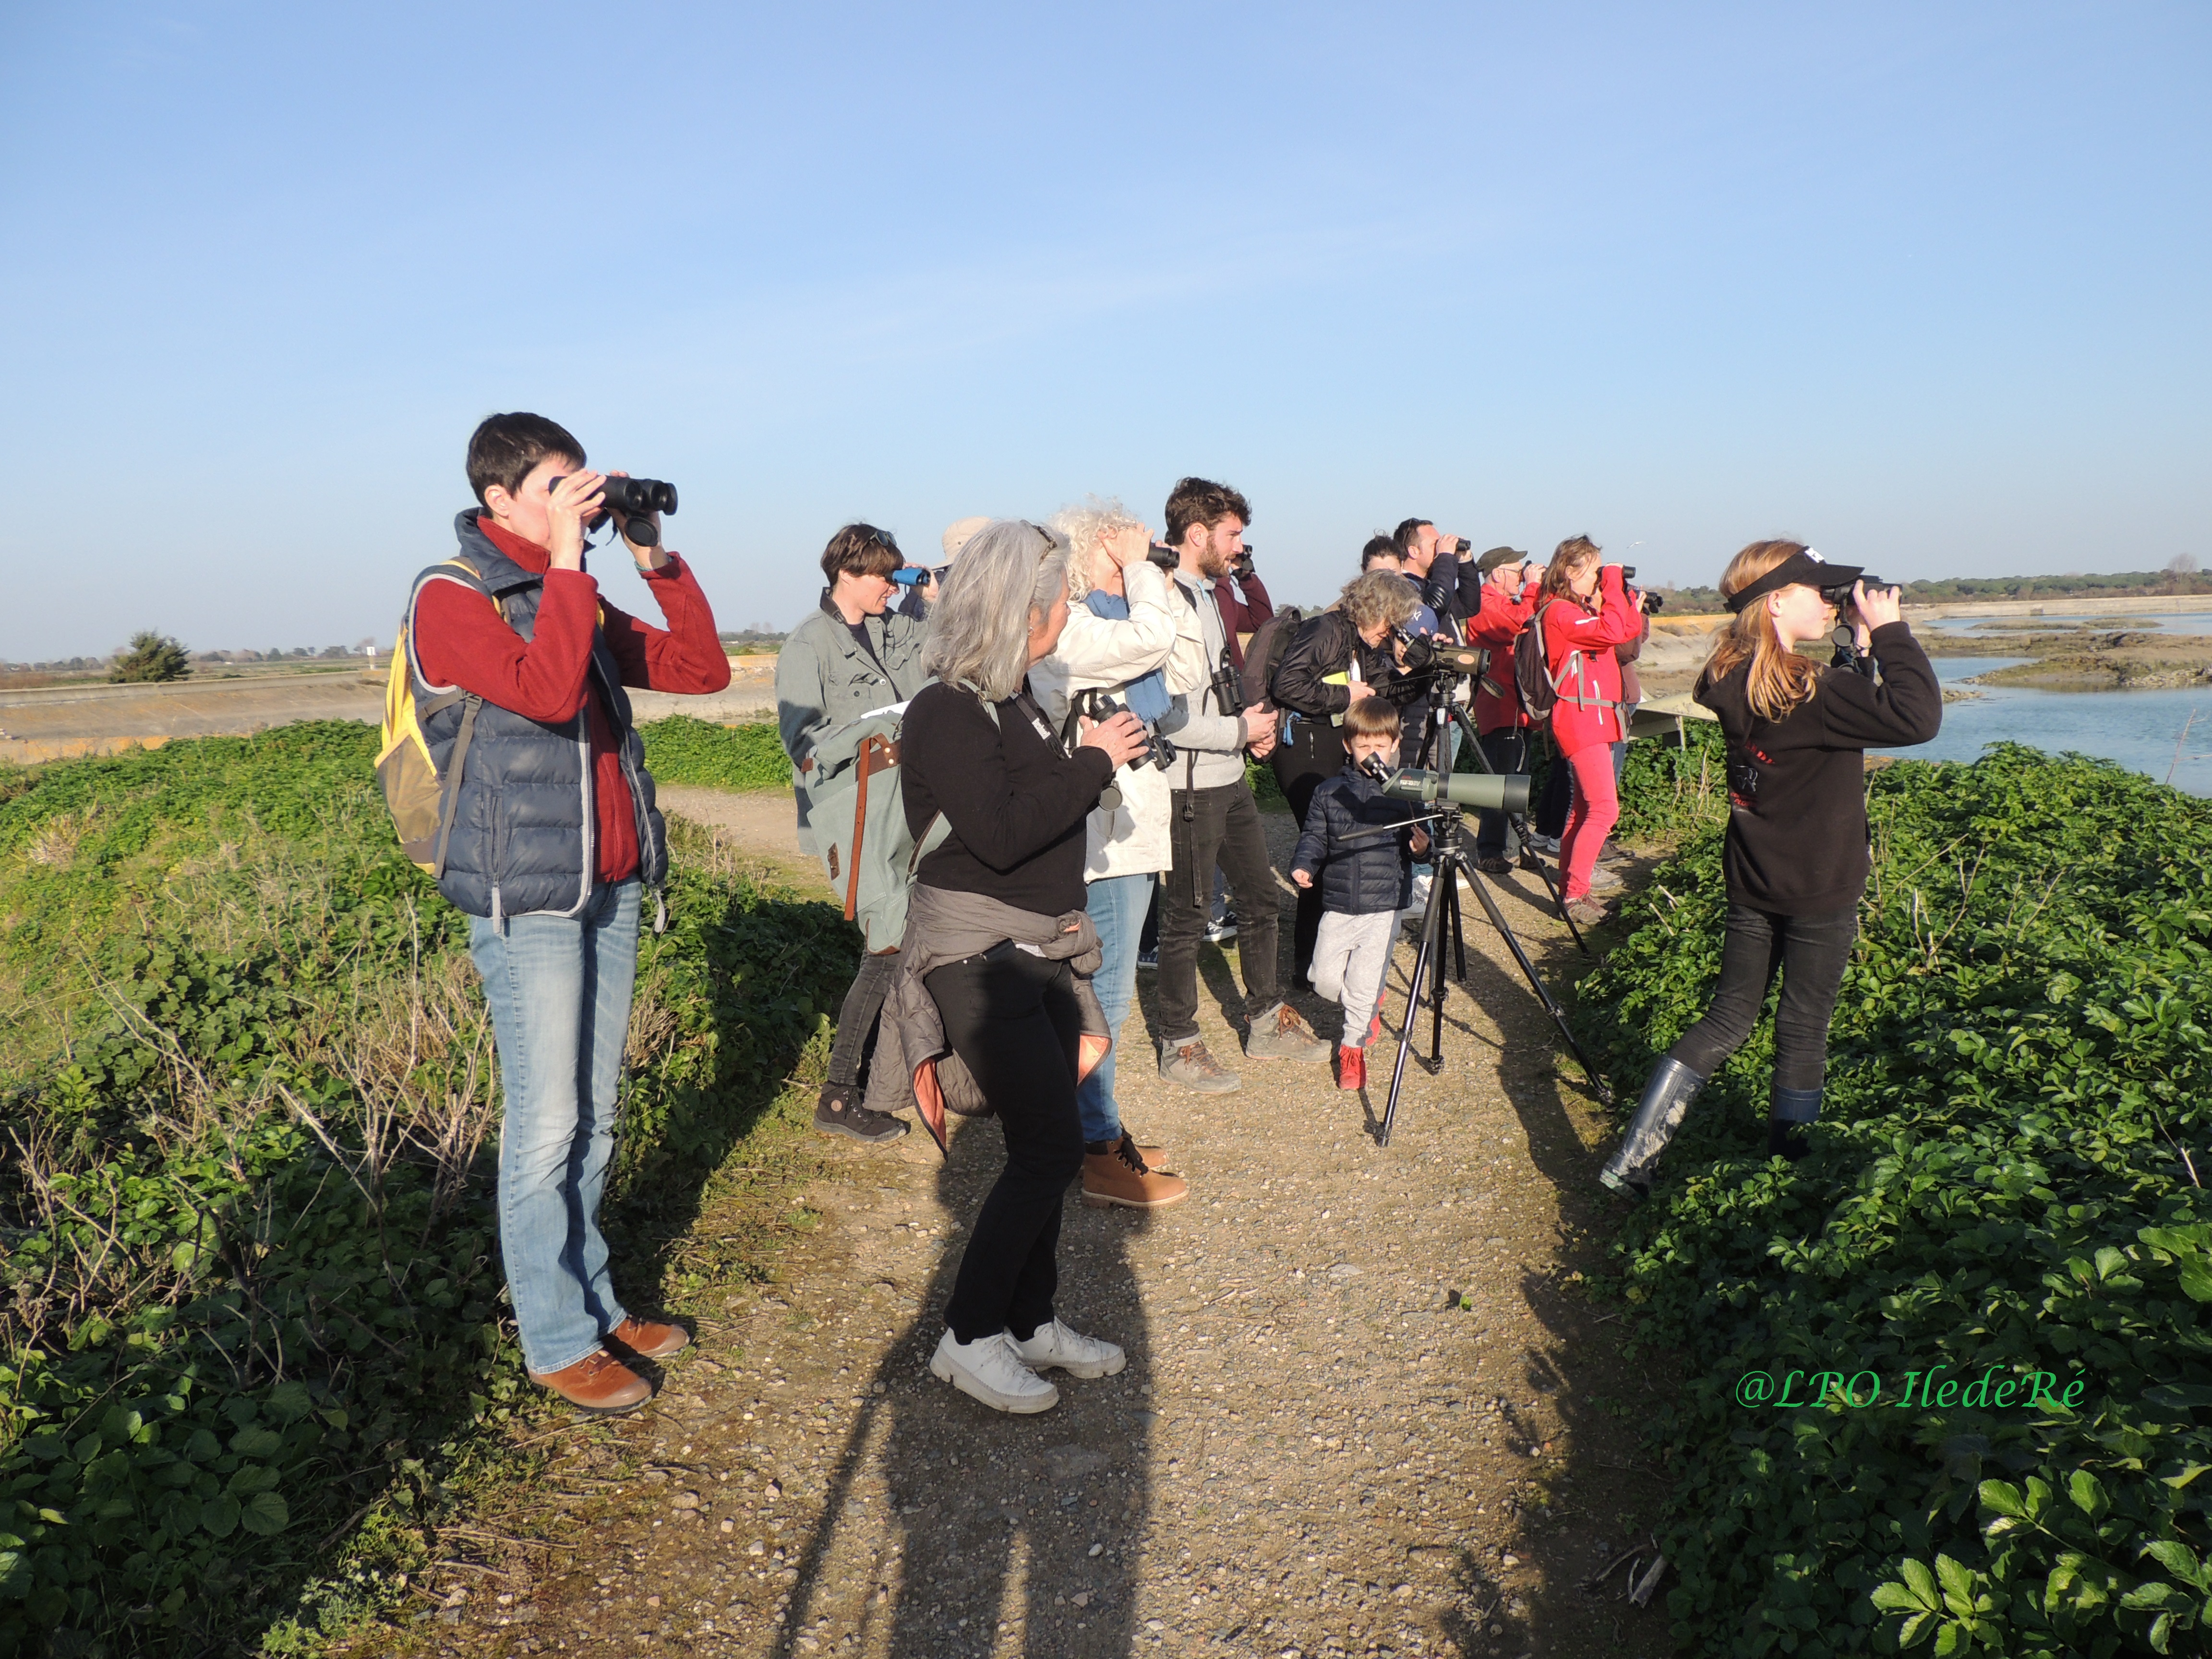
{"x": 647, "y": 1339}
{"x": 1124, "y": 1176}
{"x": 1053, "y": 1344}
{"x": 990, "y": 1371}
{"x": 1587, "y": 912}
{"x": 1281, "y": 1033}
{"x": 1191, "y": 1065}
{"x": 598, "y": 1383}
{"x": 839, "y": 1112}
{"x": 1494, "y": 864}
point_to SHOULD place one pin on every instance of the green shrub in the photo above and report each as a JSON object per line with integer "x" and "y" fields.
{"x": 681, "y": 749}
{"x": 151, "y": 657}
{"x": 2006, "y": 1174}
{"x": 249, "y": 1285}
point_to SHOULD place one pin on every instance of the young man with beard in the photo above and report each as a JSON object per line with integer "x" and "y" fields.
{"x": 1212, "y": 818}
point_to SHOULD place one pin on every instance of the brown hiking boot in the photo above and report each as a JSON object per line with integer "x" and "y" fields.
{"x": 1126, "y": 1178}
{"x": 642, "y": 1338}
{"x": 1587, "y": 912}
{"x": 598, "y": 1383}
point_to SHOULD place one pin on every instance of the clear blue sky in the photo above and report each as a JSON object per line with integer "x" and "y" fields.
{"x": 1927, "y": 285}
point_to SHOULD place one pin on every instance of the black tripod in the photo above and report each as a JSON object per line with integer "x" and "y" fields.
{"x": 1453, "y": 857}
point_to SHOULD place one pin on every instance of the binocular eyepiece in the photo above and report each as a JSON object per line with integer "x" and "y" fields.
{"x": 634, "y": 498}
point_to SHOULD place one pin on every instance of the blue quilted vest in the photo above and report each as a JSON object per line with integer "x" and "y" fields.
{"x": 524, "y": 824}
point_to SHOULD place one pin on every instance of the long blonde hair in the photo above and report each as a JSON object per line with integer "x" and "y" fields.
{"x": 1780, "y": 681}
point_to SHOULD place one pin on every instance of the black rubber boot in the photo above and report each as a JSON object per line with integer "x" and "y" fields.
{"x": 1666, "y": 1096}
{"x": 1794, "y": 1112}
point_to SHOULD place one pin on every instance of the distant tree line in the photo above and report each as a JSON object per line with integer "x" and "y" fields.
{"x": 2181, "y": 575}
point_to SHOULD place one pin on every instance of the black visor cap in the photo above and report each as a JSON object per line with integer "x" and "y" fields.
{"x": 1807, "y": 567}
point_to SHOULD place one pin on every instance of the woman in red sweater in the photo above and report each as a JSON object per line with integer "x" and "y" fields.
{"x": 1584, "y": 612}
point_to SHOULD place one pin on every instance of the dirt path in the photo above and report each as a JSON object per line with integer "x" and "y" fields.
{"x": 1367, "y": 1409}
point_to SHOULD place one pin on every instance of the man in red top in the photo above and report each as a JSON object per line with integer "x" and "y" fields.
{"x": 1501, "y": 724}
{"x": 554, "y": 839}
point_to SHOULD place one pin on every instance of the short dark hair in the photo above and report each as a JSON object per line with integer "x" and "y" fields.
{"x": 1380, "y": 547}
{"x": 1201, "y": 502}
{"x": 1403, "y": 535}
{"x": 861, "y": 549}
{"x": 504, "y": 448}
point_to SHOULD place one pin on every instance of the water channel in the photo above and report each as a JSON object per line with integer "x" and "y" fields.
{"x": 2143, "y": 731}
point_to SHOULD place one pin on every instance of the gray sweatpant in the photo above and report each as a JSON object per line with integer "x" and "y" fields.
{"x": 1351, "y": 955}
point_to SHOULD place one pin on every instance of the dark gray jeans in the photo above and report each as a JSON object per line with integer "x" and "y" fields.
{"x": 1811, "y": 953}
{"x": 1222, "y": 827}
{"x": 856, "y": 1020}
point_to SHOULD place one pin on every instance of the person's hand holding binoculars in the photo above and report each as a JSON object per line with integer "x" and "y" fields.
{"x": 1871, "y": 608}
{"x": 572, "y": 503}
{"x": 1121, "y": 736}
{"x": 1128, "y": 545}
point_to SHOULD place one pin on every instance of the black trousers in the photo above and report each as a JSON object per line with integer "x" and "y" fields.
{"x": 1550, "y": 815}
{"x": 1013, "y": 1018}
{"x": 1811, "y": 953}
{"x": 856, "y": 1020}
{"x": 1312, "y": 754}
{"x": 1507, "y": 751}
{"x": 1223, "y": 827}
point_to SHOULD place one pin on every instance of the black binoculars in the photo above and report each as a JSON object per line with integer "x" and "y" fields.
{"x": 634, "y": 498}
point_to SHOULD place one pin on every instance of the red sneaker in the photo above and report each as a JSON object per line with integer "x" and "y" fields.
{"x": 1351, "y": 1067}
{"x": 1374, "y": 1030}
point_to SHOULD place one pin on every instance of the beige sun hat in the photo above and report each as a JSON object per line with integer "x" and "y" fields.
{"x": 957, "y": 534}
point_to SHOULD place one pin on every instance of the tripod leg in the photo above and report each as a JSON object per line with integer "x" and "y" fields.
{"x": 1529, "y": 861}
{"x": 1421, "y": 959}
{"x": 1536, "y": 983}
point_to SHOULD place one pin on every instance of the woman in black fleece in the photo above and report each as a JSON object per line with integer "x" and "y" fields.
{"x": 976, "y": 747}
{"x": 1795, "y": 857}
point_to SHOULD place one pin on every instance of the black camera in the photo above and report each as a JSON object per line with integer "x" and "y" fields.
{"x": 634, "y": 498}
{"x": 1104, "y": 705}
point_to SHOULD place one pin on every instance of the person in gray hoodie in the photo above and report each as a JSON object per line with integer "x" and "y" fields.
{"x": 1212, "y": 818}
{"x": 850, "y": 656}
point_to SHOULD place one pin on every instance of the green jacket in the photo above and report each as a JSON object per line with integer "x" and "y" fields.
{"x": 824, "y": 679}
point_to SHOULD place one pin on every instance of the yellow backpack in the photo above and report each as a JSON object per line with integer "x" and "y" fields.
{"x": 421, "y": 800}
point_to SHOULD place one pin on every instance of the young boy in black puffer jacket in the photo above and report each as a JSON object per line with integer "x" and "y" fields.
{"x": 1365, "y": 881}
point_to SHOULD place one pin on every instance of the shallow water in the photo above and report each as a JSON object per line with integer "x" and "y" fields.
{"x": 2141, "y": 730}
{"x": 2197, "y": 623}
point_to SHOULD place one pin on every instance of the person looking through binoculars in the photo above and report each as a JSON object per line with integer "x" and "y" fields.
{"x": 1120, "y": 632}
{"x": 1796, "y": 855}
{"x": 1346, "y": 652}
{"x": 1583, "y": 610}
{"x": 851, "y": 655}
{"x": 1506, "y": 599}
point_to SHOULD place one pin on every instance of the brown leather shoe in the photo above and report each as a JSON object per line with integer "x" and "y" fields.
{"x": 599, "y": 1383}
{"x": 641, "y": 1339}
{"x": 1125, "y": 1177}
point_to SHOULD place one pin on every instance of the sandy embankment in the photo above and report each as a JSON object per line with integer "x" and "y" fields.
{"x": 53, "y": 722}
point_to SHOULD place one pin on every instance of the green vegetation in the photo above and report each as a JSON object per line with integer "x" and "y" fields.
{"x": 151, "y": 657}
{"x": 681, "y": 749}
{"x": 251, "y": 1339}
{"x": 2006, "y": 1175}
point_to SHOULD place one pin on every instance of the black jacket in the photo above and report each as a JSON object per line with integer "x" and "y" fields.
{"x": 1360, "y": 876}
{"x": 1797, "y": 825}
{"x": 1325, "y": 647}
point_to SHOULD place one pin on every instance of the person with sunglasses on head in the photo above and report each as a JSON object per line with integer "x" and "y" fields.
{"x": 851, "y": 655}
{"x": 1795, "y": 857}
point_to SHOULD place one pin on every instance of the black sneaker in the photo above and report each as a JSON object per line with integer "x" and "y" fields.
{"x": 837, "y": 1113}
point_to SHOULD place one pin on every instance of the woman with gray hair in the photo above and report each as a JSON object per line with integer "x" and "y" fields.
{"x": 996, "y": 927}
{"x": 1343, "y": 654}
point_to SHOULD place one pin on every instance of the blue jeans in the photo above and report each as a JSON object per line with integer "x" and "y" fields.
{"x": 559, "y": 988}
{"x": 1117, "y": 906}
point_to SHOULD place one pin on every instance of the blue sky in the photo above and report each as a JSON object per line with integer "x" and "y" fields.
{"x": 1926, "y": 285}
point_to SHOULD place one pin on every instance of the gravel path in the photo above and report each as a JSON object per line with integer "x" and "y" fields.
{"x": 1367, "y": 1408}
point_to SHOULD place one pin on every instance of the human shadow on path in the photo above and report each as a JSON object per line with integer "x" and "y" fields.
{"x": 990, "y": 1544}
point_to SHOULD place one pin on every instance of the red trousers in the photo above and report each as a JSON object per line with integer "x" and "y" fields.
{"x": 1596, "y": 808}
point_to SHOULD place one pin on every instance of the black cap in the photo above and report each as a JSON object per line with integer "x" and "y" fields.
{"x": 1498, "y": 556}
{"x": 1808, "y": 567}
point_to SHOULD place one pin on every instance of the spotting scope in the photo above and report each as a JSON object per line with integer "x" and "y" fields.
{"x": 1483, "y": 791}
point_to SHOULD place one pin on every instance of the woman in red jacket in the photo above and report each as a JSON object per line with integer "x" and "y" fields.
{"x": 1584, "y": 612}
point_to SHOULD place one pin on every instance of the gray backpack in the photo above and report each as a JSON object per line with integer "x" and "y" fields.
{"x": 857, "y": 811}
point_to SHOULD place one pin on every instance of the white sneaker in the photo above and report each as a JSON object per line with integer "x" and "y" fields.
{"x": 990, "y": 1371}
{"x": 1547, "y": 845}
{"x": 1078, "y": 1355}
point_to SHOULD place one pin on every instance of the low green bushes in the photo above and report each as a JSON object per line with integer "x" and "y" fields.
{"x": 2007, "y": 1180}
{"x": 681, "y": 749}
{"x": 249, "y": 1282}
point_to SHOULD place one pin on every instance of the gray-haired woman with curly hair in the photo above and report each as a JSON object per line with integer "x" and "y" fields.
{"x": 1314, "y": 682}
{"x": 1006, "y": 882}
